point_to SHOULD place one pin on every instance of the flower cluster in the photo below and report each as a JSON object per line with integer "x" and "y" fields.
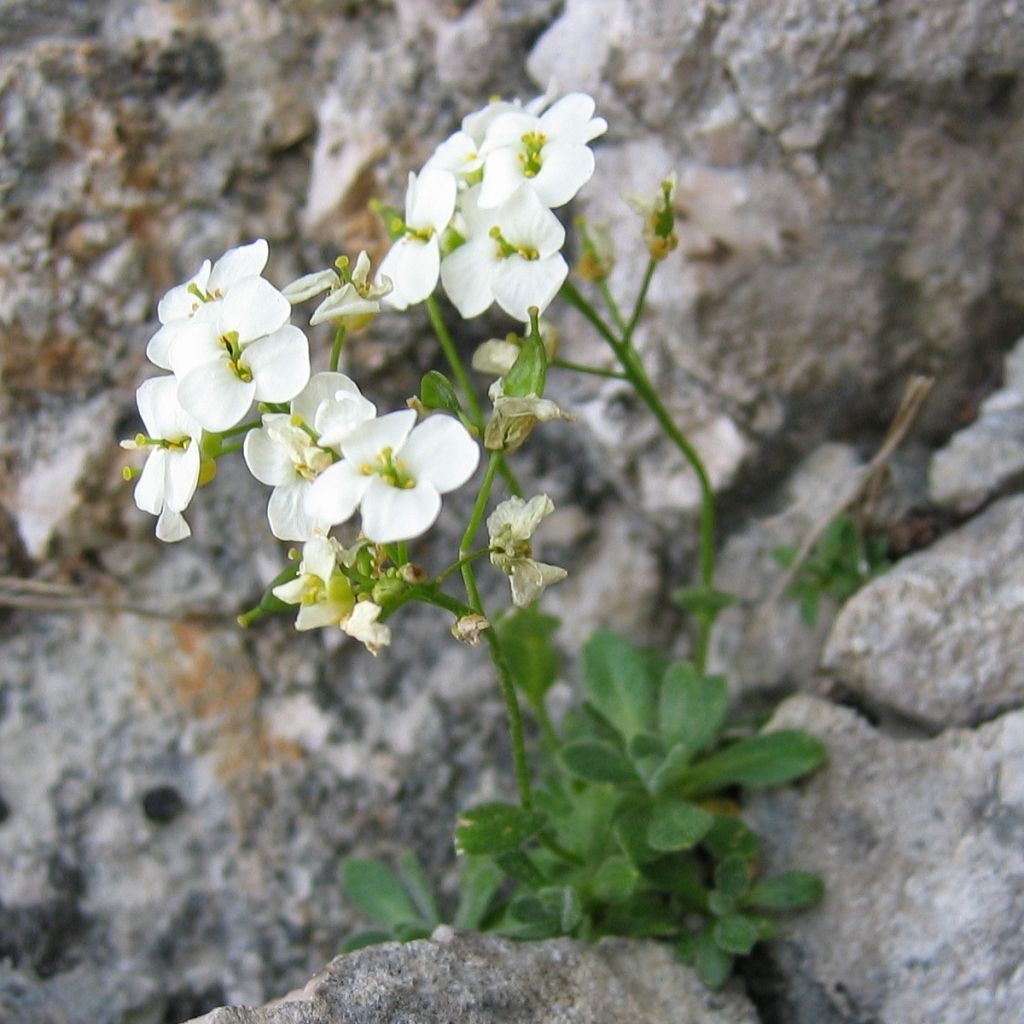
{"x": 479, "y": 214}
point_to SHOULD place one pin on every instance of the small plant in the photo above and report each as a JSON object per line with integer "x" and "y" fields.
{"x": 842, "y": 561}
{"x": 634, "y": 831}
{"x": 628, "y": 823}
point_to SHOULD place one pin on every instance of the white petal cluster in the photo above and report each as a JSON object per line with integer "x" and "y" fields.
{"x": 171, "y": 473}
{"x": 511, "y": 526}
{"x": 353, "y": 299}
{"x": 291, "y": 450}
{"x": 395, "y": 472}
{"x": 494, "y": 183}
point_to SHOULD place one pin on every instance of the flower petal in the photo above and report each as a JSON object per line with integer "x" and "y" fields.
{"x": 171, "y": 527}
{"x": 287, "y": 513}
{"x": 195, "y": 343}
{"x": 466, "y": 276}
{"x": 159, "y": 348}
{"x": 519, "y": 284}
{"x": 394, "y": 513}
{"x": 321, "y": 387}
{"x": 181, "y": 475}
{"x": 238, "y": 263}
{"x": 503, "y": 174}
{"x": 215, "y": 396}
{"x": 366, "y": 442}
{"x": 441, "y": 452}
{"x": 270, "y": 463}
{"x": 179, "y": 303}
{"x": 253, "y": 307}
{"x": 335, "y": 494}
{"x": 565, "y": 169}
{"x": 413, "y": 266}
{"x": 149, "y": 489}
{"x": 279, "y": 364}
{"x": 309, "y": 285}
{"x": 430, "y": 200}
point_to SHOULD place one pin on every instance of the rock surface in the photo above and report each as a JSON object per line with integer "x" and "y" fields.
{"x": 461, "y": 978}
{"x": 921, "y": 846}
{"x": 852, "y": 185}
{"x": 982, "y": 460}
{"x": 938, "y": 637}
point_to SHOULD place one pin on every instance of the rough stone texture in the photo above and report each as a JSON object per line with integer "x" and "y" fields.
{"x": 938, "y": 637}
{"x": 461, "y": 978}
{"x": 982, "y": 460}
{"x": 920, "y": 846}
{"x": 852, "y": 183}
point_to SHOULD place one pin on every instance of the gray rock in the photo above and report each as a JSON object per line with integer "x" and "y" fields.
{"x": 461, "y": 978}
{"x": 982, "y": 460}
{"x": 938, "y": 638}
{"x": 921, "y": 847}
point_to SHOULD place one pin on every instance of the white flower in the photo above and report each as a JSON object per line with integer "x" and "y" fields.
{"x": 549, "y": 152}
{"x": 171, "y": 473}
{"x": 413, "y": 262}
{"x": 355, "y": 301}
{"x": 362, "y": 625}
{"x": 514, "y": 418}
{"x": 511, "y": 256}
{"x": 510, "y": 526}
{"x": 207, "y": 285}
{"x": 238, "y": 350}
{"x": 290, "y": 451}
{"x": 396, "y": 472}
{"x": 323, "y": 594}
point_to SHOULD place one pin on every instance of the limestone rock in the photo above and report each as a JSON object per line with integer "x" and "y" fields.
{"x": 920, "y": 847}
{"x": 462, "y": 978}
{"x": 981, "y": 460}
{"x": 938, "y": 637}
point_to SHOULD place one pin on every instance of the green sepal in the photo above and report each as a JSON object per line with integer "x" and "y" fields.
{"x": 529, "y": 371}
{"x": 437, "y": 392}
{"x": 494, "y": 827}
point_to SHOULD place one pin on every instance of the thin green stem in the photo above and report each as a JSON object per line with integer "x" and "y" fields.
{"x": 451, "y": 353}
{"x": 613, "y": 306}
{"x": 508, "y": 689}
{"x": 457, "y": 566}
{"x": 458, "y": 368}
{"x": 339, "y": 341}
{"x": 594, "y": 371}
{"x": 641, "y": 299}
{"x": 242, "y": 428}
{"x": 228, "y": 449}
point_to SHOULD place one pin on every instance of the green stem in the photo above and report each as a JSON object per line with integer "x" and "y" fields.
{"x": 228, "y": 449}
{"x": 339, "y": 341}
{"x": 641, "y": 299}
{"x": 594, "y": 371}
{"x": 613, "y": 306}
{"x": 458, "y": 368}
{"x": 457, "y": 566}
{"x": 242, "y": 428}
{"x": 508, "y": 689}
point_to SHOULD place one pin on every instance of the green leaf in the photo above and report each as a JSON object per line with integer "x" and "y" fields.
{"x": 767, "y": 760}
{"x": 363, "y": 939}
{"x": 411, "y": 931}
{"x": 615, "y": 880}
{"x": 692, "y": 707}
{"x": 525, "y": 636}
{"x": 735, "y": 933}
{"x": 712, "y": 963}
{"x": 679, "y": 874}
{"x": 619, "y": 683}
{"x": 703, "y": 602}
{"x": 519, "y": 867}
{"x": 598, "y": 762}
{"x": 480, "y": 881}
{"x": 630, "y": 827}
{"x": 731, "y": 835}
{"x": 732, "y": 876}
{"x": 418, "y": 886}
{"x": 646, "y": 745}
{"x": 677, "y": 825}
{"x": 494, "y": 827}
{"x": 529, "y": 371}
{"x": 437, "y": 392}
{"x": 373, "y": 888}
{"x": 792, "y": 890}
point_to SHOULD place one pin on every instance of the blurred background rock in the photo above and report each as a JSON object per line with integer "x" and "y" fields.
{"x": 176, "y": 795}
